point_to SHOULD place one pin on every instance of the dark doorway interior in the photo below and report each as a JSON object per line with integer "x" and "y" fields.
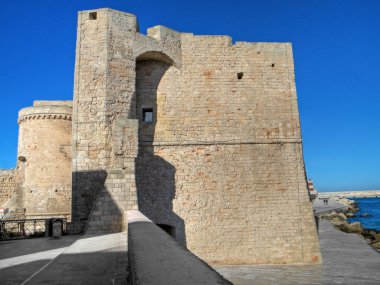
{"x": 169, "y": 229}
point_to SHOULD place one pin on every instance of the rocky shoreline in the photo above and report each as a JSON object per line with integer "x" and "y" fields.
{"x": 339, "y": 218}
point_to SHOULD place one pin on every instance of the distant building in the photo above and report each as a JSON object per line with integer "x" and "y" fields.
{"x": 312, "y": 191}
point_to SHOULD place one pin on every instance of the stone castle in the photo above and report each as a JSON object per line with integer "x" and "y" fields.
{"x": 200, "y": 134}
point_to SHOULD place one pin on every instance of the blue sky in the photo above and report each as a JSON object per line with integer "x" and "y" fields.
{"x": 336, "y": 47}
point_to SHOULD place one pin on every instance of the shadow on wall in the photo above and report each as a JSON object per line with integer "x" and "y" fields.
{"x": 155, "y": 177}
{"x": 93, "y": 204}
{"x": 149, "y": 75}
{"x": 155, "y": 183}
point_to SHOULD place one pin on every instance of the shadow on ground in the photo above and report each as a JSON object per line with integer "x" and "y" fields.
{"x": 89, "y": 259}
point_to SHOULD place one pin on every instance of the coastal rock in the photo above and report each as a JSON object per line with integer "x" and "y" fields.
{"x": 353, "y": 208}
{"x": 342, "y": 225}
{"x": 346, "y": 201}
{"x": 327, "y": 216}
{"x": 350, "y": 215}
{"x": 338, "y": 217}
{"x": 376, "y": 245}
{"x": 336, "y": 220}
{"x": 377, "y": 237}
{"x": 355, "y": 227}
{"x": 342, "y": 216}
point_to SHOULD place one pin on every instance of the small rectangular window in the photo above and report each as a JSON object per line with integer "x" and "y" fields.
{"x": 93, "y": 16}
{"x": 147, "y": 115}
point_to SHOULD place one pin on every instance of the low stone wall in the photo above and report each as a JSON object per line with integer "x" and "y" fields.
{"x": 156, "y": 258}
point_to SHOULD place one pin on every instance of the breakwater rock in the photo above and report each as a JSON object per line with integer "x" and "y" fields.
{"x": 339, "y": 220}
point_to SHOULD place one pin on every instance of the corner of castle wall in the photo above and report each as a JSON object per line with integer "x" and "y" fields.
{"x": 123, "y": 20}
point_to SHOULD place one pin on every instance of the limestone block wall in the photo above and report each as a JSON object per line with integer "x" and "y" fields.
{"x": 231, "y": 204}
{"x": 222, "y": 159}
{"x": 104, "y": 96}
{"x": 221, "y": 162}
{"x": 44, "y": 158}
{"x": 8, "y": 189}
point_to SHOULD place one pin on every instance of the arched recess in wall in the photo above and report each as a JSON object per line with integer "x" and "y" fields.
{"x": 157, "y": 87}
{"x": 155, "y": 83}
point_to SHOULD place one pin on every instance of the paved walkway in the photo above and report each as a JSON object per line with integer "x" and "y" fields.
{"x": 332, "y": 205}
{"x": 102, "y": 259}
{"x": 88, "y": 259}
{"x": 19, "y": 259}
{"x": 347, "y": 259}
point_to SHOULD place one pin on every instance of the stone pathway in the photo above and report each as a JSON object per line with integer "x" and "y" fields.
{"x": 332, "y": 205}
{"x": 88, "y": 259}
{"x": 102, "y": 259}
{"x": 19, "y": 259}
{"x": 347, "y": 259}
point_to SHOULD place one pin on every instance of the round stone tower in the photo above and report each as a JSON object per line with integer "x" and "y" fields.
{"x": 44, "y": 158}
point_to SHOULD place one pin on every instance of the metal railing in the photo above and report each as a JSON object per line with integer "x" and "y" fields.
{"x": 27, "y": 228}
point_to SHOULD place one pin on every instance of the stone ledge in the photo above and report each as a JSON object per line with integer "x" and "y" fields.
{"x": 156, "y": 258}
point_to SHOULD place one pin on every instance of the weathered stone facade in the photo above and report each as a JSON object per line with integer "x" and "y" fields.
{"x": 41, "y": 182}
{"x": 200, "y": 134}
{"x": 219, "y": 162}
{"x": 8, "y": 189}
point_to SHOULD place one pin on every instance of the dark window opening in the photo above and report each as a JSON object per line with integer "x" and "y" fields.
{"x": 272, "y": 64}
{"x": 147, "y": 115}
{"x": 93, "y": 15}
{"x": 240, "y": 75}
{"x": 170, "y": 230}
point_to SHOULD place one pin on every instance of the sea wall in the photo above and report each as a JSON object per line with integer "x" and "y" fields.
{"x": 352, "y": 194}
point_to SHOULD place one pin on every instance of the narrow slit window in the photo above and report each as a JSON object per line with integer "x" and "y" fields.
{"x": 93, "y": 16}
{"x": 147, "y": 115}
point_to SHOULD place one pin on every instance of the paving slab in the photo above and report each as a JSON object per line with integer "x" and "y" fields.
{"x": 347, "y": 259}
{"x": 19, "y": 259}
{"x": 332, "y": 205}
{"x": 88, "y": 259}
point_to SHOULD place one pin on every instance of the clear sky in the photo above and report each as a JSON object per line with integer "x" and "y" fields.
{"x": 336, "y": 46}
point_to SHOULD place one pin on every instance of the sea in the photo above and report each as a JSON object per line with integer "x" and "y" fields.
{"x": 370, "y": 206}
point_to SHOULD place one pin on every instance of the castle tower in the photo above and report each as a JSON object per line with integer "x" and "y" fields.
{"x": 200, "y": 134}
{"x": 44, "y": 158}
